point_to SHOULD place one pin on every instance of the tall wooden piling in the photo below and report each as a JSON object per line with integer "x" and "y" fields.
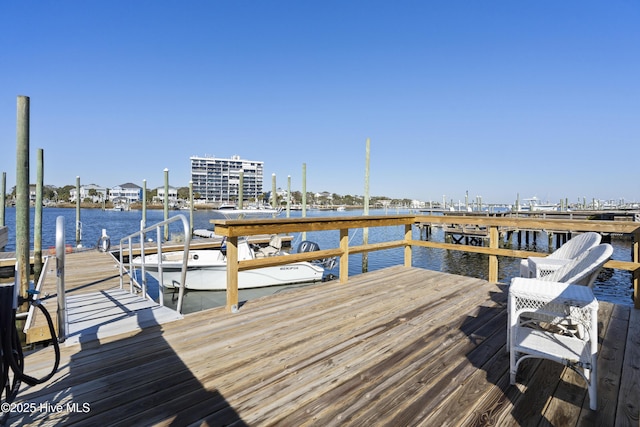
{"x": 3, "y": 201}
{"x": 274, "y": 194}
{"x": 240, "y": 203}
{"x": 22, "y": 194}
{"x": 191, "y": 208}
{"x": 78, "y": 223}
{"x": 144, "y": 205}
{"x": 166, "y": 203}
{"x": 304, "y": 196}
{"x": 288, "y": 196}
{"x": 37, "y": 228}
{"x": 365, "y": 230}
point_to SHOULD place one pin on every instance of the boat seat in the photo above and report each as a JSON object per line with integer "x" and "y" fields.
{"x": 273, "y": 248}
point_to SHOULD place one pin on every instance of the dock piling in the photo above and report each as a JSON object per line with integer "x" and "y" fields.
{"x": 22, "y": 194}
{"x": 62, "y": 301}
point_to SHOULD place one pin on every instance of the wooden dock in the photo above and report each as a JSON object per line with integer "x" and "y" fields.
{"x": 399, "y": 346}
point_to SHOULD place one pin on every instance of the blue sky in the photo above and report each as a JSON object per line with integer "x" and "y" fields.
{"x": 497, "y": 98}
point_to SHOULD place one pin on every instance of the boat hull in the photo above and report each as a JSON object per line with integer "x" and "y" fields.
{"x": 209, "y": 272}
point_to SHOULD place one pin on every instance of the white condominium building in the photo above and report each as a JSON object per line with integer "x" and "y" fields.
{"x": 218, "y": 180}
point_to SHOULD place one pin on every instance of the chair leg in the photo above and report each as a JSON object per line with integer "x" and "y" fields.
{"x": 592, "y": 374}
{"x": 511, "y": 331}
{"x": 593, "y": 391}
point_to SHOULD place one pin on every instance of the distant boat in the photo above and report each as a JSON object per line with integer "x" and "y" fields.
{"x": 207, "y": 270}
{"x": 252, "y": 212}
{"x": 341, "y": 209}
{"x": 120, "y": 204}
{"x": 533, "y": 204}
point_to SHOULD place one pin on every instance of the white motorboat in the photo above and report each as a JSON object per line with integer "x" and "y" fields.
{"x": 207, "y": 270}
{"x": 534, "y": 204}
{"x": 252, "y": 212}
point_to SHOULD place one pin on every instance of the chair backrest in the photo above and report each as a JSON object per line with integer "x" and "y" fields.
{"x": 577, "y": 245}
{"x": 584, "y": 269}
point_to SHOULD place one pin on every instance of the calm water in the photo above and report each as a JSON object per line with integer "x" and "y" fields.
{"x": 612, "y": 285}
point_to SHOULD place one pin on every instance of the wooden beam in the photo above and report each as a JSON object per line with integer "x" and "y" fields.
{"x": 533, "y": 223}
{"x": 232, "y": 274}
{"x": 344, "y": 258}
{"x": 494, "y": 238}
{"x": 407, "y": 248}
{"x": 239, "y": 227}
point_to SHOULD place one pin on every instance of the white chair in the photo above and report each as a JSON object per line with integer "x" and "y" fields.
{"x": 556, "y": 317}
{"x": 583, "y": 269}
{"x": 561, "y": 301}
{"x": 541, "y": 266}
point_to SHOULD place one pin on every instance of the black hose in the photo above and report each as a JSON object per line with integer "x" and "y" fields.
{"x": 18, "y": 364}
{"x": 11, "y": 350}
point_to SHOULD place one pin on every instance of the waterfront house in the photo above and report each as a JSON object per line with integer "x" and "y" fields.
{"x": 129, "y": 191}
{"x": 93, "y": 192}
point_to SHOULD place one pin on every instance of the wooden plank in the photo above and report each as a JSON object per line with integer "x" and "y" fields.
{"x": 628, "y": 409}
{"x": 612, "y": 338}
{"x": 417, "y": 349}
{"x": 570, "y": 399}
{"x": 398, "y": 346}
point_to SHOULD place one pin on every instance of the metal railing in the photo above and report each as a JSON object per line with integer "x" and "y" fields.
{"x": 127, "y": 245}
{"x": 61, "y": 311}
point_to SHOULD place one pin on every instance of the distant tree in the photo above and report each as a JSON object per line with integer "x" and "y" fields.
{"x": 49, "y": 192}
{"x": 323, "y": 199}
{"x": 296, "y": 197}
{"x": 351, "y": 200}
{"x": 183, "y": 193}
{"x": 311, "y": 198}
{"x": 64, "y": 193}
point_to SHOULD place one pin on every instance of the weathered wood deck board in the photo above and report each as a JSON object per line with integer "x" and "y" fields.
{"x": 399, "y": 346}
{"x": 629, "y": 401}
